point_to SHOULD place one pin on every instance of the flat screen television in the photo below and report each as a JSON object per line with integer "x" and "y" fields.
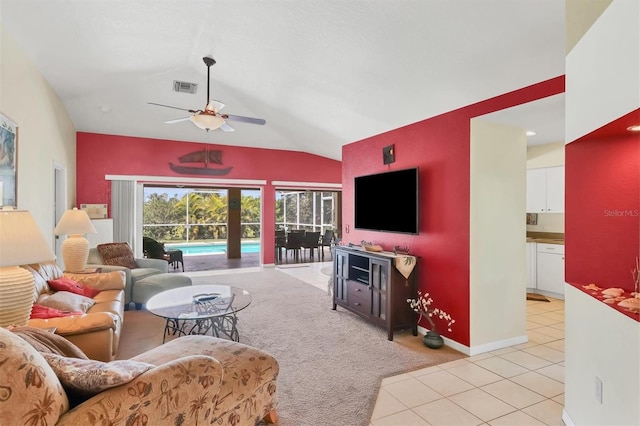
{"x": 387, "y": 201}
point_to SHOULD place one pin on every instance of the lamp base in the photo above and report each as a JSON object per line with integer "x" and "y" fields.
{"x": 17, "y": 294}
{"x": 75, "y": 251}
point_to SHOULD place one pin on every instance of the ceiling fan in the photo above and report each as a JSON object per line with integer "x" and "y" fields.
{"x": 210, "y": 117}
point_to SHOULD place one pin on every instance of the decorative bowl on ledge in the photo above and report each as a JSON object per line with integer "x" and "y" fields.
{"x": 368, "y": 246}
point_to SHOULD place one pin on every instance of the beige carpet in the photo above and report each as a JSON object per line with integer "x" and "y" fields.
{"x": 331, "y": 362}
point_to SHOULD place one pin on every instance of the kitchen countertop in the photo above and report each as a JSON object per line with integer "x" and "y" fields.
{"x": 545, "y": 237}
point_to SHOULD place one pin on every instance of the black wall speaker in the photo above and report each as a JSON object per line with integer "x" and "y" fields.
{"x": 388, "y": 154}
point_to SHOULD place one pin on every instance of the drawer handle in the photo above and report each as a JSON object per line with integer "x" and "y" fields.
{"x": 357, "y": 303}
{"x": 358, "y": 289}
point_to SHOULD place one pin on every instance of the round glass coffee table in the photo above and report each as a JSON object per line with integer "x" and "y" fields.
{"x": 199, "y": 309}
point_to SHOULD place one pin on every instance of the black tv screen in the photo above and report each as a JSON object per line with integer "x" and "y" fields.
{"x": 387, "y": 201}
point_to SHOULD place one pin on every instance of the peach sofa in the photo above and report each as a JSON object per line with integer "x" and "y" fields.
{"x": 96, "y": 332}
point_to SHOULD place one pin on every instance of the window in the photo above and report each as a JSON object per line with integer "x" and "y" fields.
{"x": 183, "y": 215}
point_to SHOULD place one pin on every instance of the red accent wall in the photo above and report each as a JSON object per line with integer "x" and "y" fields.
{"x": 439, "y": 147}
{"x": 602, "y": 205}
{"x": 98, "y": 155}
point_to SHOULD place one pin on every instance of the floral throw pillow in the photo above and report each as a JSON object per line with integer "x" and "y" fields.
{"x": 90, "y": 377}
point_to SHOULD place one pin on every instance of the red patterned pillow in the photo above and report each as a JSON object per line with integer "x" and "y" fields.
{"x": 117, "y": 254}
{"x": 45, "y": 312}
{"x": 67, "y": 284}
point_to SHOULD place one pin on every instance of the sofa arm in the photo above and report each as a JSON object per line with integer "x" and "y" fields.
{"x": 144, "y": 262}
{"x": 182, "y": 391}
{"x": 78, "y": 324}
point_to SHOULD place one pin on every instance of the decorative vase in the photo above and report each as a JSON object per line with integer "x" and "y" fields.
{"x": 433, "y": 340}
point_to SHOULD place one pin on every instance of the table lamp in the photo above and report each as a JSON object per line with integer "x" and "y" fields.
{"x": 21, "y": 243}
{"x": 75, "y": 249}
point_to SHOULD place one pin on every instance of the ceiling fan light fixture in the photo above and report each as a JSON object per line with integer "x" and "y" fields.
{"x": 207, "y": 121}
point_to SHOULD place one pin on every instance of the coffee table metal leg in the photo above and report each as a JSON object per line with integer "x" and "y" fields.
{"x": 225, "y": 324}
{"x": 173, "y": 327}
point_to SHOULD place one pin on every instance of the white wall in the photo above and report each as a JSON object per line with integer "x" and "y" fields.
{"x": 548, "y": 155}
{"x": 548, "y": 222}
{"x": 497, "y": 236}
{"x": 600, "y": 342}
{"x": 602, "y": 85}
{"x": 602, "y": 70}
{"x": 46, "y": 134}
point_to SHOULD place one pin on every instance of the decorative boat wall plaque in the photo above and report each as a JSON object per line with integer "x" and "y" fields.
{"x": 205, "y": 157}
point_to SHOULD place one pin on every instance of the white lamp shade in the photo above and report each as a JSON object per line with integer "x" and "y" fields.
{"x": 21, "y": 243}
{"x": 75, "y": 222}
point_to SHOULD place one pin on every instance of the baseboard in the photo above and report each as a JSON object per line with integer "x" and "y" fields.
{"x": 448, "y": 342}
{"x": 499, "y": 344}
{"x": 487, "y": 347}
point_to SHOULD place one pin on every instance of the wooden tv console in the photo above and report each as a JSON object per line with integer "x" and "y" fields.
{"x": 369, "y": 284}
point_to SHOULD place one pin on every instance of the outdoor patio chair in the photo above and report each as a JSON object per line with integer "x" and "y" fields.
{"x": 327, "y": 241}
{"x": 155, "y": 250}
{"x": 311, "y": 241}
{"x": 293, "y": 243}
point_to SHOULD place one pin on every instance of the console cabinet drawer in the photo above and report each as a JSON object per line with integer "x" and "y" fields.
{"x": 359, "y": 297}
{"x": 354, "y": 288}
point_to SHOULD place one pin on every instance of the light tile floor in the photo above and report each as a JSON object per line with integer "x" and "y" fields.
{"x": 518, "y": 385}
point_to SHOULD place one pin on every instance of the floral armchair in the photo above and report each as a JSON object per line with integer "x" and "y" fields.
{"x": 190, "y": 380}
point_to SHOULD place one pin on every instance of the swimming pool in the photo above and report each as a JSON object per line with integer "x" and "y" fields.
{"x": 212, "y": 248}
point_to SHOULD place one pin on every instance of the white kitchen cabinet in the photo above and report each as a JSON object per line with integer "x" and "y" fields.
{"x": 550, "y": 268}
{"x": 531, "y": 265}
{"x": 545, "y": 190}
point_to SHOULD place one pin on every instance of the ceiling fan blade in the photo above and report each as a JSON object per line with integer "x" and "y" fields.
{"x": 214, "y": 105}
{"x": 226, "y": 128}
{"x": 178, "y": 120}
{"x": 169, "y": 106}
{"x": 244, "y": 119}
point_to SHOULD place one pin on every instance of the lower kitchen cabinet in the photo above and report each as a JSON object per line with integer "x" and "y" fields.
{"x": 550, "y": 268}
{"x": 531, "y": 265}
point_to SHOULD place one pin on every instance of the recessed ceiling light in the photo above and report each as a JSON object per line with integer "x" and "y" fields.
{"x": 531, "y": 133}
{"x": 635, "y": 128}
{"x": 105, "y": 108}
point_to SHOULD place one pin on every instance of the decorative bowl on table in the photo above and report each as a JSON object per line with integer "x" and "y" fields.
{"x": 371, "y": 247}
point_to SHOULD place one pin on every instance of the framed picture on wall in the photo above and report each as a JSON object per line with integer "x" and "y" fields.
{"x": 8, "y": 162}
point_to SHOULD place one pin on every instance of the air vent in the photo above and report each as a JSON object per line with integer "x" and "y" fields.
{"x": 184, "y": 87}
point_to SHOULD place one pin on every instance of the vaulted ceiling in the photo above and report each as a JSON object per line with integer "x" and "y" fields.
{"x": 322, "y": 74}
